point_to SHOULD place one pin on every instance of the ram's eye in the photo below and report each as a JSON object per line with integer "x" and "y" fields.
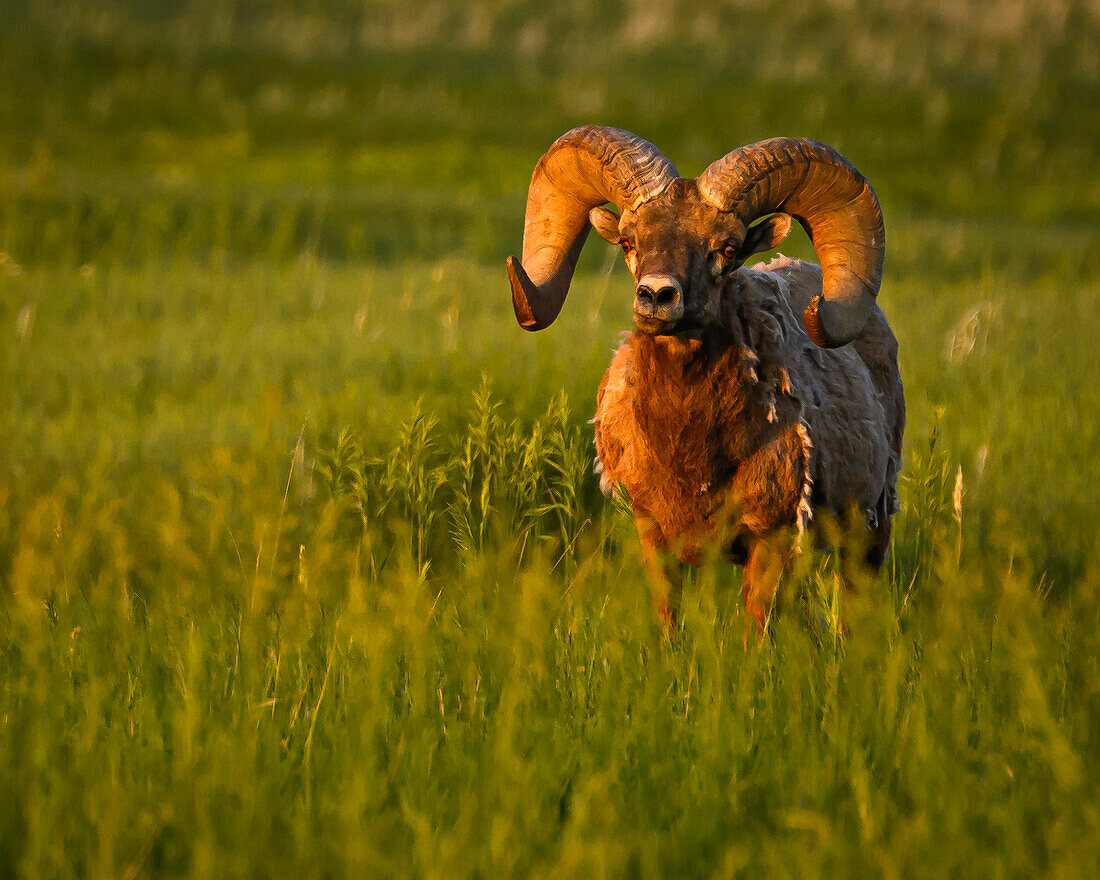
{"x": 626, "y": 246}
{"x": 729, "y": 252}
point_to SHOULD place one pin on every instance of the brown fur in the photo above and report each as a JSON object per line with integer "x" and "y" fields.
{"x": 734, "y": 432}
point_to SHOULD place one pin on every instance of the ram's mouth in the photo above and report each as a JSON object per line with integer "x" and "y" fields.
{"x": 653, "y": 326}
{"x": 685, "y": 326}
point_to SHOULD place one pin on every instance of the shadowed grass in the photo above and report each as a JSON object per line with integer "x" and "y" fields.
{"x": 202, "y": 697}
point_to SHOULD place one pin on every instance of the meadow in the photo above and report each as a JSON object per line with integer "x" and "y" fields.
{"x": 303, "y": 567}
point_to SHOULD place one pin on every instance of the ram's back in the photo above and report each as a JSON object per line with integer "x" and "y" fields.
{"x": 876, "y": 345}
{"x": 877, "y": 348}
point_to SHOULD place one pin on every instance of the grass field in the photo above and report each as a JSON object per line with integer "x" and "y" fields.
{"x": 303, "y": 569}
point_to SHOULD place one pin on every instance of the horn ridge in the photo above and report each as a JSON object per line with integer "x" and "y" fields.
{"x": 638, "y": 171}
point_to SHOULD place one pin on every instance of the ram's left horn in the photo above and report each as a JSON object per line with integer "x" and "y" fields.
{"x": 585, "y": 167}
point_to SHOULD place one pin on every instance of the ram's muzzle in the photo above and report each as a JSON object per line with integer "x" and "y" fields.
{"x": 658, "y": 304}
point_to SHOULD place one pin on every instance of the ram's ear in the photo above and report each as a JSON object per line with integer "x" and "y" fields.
{"x": 606, "y": 223}
{"x": 765, "y": 235}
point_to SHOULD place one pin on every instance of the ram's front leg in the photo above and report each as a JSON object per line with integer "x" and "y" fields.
{"x": 767, "y": 559}
{"x": 666, "y": 581}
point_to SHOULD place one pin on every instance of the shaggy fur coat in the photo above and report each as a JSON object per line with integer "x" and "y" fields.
{"x": 746, "y": 426}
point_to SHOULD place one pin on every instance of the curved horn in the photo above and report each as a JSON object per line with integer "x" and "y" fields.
{"x": 836, "y": 206}
{"x": 585, "y": 167}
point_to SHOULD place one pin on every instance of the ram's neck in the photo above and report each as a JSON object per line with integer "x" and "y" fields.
{"x": 691, "y": 378}
{"x": 709, "y": 386}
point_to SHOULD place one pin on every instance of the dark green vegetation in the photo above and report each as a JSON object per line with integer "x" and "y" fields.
{"x": 302, "y": 568}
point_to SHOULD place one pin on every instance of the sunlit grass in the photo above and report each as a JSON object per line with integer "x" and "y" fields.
{"x": 418, "y": 642}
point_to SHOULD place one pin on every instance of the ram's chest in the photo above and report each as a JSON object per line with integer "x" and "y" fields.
{"x": 675, "y": 427}
{"x": 645, "y": 439}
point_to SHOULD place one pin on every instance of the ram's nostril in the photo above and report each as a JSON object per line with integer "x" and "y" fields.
{"x": 659, "y": 294}
{"x": 667, "y": 296}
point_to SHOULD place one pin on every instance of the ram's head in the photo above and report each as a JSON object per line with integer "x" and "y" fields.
{"x": 682, "y": 237}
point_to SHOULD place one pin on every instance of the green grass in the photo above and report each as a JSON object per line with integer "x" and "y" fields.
{"x": 303, "y": 570}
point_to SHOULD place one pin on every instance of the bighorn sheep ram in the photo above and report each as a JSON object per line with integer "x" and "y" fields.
{"x": 723, "y": 416}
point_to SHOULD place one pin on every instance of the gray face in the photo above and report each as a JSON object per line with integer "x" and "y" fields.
{"x": 679, "y": 248}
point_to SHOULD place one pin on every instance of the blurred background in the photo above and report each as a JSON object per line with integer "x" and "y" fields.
{"x": 393, "y": 130}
